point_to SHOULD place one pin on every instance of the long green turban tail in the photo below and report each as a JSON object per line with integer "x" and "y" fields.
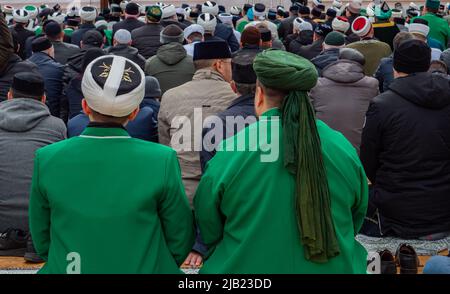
{"x": 302, "y": 150}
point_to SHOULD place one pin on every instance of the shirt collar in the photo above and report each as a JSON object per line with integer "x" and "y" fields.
{"x": 105, "y": 130}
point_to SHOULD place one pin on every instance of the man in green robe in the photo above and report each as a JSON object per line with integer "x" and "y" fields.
{"x": 297, "y": 212}
{"x": 104, "y": 202}
{"x": 439, "y": 28}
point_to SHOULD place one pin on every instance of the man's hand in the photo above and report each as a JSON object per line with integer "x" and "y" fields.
{"x": 194, "y": 259}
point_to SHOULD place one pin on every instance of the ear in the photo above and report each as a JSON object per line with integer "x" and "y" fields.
{"x": 85, "y": 107}
{"x": 10, "y": 95}
{"x": 134, "y": 114}
{"x": 259, "y": 96}
{"x": 43, "y": 98}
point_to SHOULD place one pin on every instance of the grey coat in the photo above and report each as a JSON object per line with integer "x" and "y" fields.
{"x": 342, "y": 96}
{"x": 207, "y": 93}
{"x": 25, "y": 125}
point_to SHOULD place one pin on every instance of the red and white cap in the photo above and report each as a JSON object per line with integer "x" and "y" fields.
{"x": 361, "y": 26}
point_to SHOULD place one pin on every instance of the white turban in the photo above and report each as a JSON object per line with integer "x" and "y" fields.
{"x": 88, "y": 13}
{"x": 210, "y": 7}
{"x": 21, "y": 16}
{"x": 117, "y": 70}
{"x": 208, "y": 22}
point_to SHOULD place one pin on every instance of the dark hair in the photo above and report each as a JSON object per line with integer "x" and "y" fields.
{"x": 20, "y": 94}
{"x": 245, "y": 89}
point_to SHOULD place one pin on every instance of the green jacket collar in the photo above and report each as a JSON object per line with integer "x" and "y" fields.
{"x": 105, "y": 133}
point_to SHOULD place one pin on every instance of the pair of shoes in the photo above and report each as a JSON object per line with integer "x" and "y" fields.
{"x": 407, "y": 259}
{"x": 30, "y": 254}
{"x": 13, "y": 242}
{"x": 388, "y": 264}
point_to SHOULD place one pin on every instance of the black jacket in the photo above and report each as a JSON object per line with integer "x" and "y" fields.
{"x": 22, "y": 34}
{"x": 294, "y": 42}
{"x": 128, "y": 52}
{"x": 128, "y": 24}
{"x": 309, "y": 51}
{"x": 168, "y": 22}
{"x": 146, "y": 39}
{"x": 15, "y": 65}
{"x": 77, "y": 36}
{"x": 286, "y": 27}
{"x": 405, "y": 150}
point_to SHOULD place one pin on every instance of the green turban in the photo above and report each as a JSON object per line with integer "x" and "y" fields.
{"x": 290, "y": 73}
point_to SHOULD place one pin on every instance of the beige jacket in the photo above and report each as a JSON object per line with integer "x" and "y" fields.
{"x": 208, "y": 93}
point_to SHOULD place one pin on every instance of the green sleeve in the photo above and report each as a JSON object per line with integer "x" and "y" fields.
{"x": 360, "y": 208}
{"x": 207, "y": 208}
{"x": 39, "y": 214}
{"x": 175, "y": 213}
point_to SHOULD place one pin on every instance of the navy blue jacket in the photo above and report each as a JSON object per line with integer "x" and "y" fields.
{"x": 74, "y": 96}
{"x": 243, "y": 106}
{"x": 325, "y": 58}
{"x": 226, "y": 33}
{"x": 385, "y": 73}
{"x": 52, "y": 72}
{"x": 77, "y": 36}
{"x": 144, "y": 127}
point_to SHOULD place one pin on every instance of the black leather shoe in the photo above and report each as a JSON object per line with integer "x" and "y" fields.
{"x": 30, "y": 254}
{"x": 388, "y": 265}
{"x": 13, "y": 242}
{"x": 407, "y": 259}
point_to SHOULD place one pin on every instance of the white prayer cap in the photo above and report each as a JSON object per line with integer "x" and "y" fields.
{"x": 168, "y": 10}
{"x": 21, "y": 16}
{"x": 194, "y": 28}
{"x": 101, "y": 23}
{"x": 122, "y": 36}
{"x": 8, "y": 9}
{"x": 73, "y": 11}
{"x": 88, "y": 13}
{"x": 234, "y": 10}
{"x": 301, "y": 25}
{"x": 123, "y": 5}
{"x": 113, "y": 85}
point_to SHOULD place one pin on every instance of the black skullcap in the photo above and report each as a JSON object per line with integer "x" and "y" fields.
{"x": 242, "y": 67}
{"x": 211, "y": 50}
{"x": 93, "y": 38}
{"x": 101, "y": 70}
{"x": 184, "y": 5}
{"x": 28, "y": 83}
{"x": 316, "y": 12}
{"x": 323, "y": 29}
{"x": 331, "y": 12}
{"x": 52, "y": 29}
{"x": 247, "y": 7}
{"x": 132, "y": 9}
{"x": 412, "y": 56}
{"x": 294, "y": 8}
{"x": 45, "y": 13}
{"x": 272, "y": 14}
{"x": 222, "y": 9}
{"x": 73, "y": 22}
{"x": 266, "y": 34}
{"x": 304, "y": 10}
{"x": 41, "y": 44}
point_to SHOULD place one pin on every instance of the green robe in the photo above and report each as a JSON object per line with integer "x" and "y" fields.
{"x": 116, "y": 201}
{"x": 439, "y": 28}
{"x": 246, "y": 213}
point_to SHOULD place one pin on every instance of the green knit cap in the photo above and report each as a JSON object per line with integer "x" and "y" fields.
{"x": 296, "y": 75}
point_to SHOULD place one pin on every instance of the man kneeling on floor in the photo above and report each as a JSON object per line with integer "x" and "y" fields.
{"x": 120, "y": 206}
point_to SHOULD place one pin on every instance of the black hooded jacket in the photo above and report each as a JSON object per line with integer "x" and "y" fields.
{"x": 405, "y": 150}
